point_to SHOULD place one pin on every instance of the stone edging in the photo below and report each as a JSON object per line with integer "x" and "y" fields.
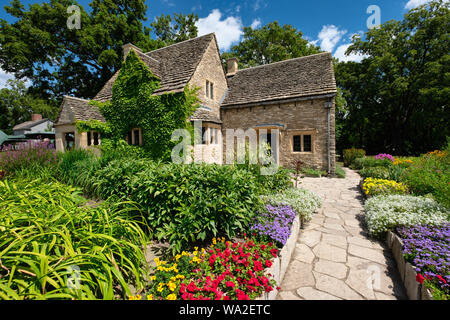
{"x": 280, "y": 263}
{"x": 414, "y": 290}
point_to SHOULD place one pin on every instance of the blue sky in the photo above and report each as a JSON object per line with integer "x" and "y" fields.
{"x": 327, "y": 23}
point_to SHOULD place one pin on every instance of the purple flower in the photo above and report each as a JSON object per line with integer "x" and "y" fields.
{"x": 383, "y": 156}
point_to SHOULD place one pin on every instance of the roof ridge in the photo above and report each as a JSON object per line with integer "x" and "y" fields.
{"x": 75, "y": 98}
{"x": 284, "y": 61}
{"x": 175, "y": 44}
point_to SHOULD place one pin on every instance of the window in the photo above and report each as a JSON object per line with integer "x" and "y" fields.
{"x": 302, "y": 143}
{"x": 89, "y": 142}
{"x": 297, "y": 143}
{"x": 307, "y": 143}
{"x": 134, "y": 137}
{"x": 214, "y": 135}
{"x": 96, "y": 140}
{"x": 204, "y": 138}
{"x": 209, "y": 89}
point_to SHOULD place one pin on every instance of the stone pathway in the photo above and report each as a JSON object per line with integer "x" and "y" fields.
{"x": 334, "y": 257}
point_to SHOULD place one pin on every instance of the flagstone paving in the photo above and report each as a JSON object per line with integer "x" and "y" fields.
{"x": 335, "y": 259}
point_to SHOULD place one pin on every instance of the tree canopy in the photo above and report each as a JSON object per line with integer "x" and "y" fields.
{"x": 397, "y": 97}
{"x": 270, "y": 43}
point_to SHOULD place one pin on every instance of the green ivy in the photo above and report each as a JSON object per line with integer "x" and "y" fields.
{"x": 133, "y": 105}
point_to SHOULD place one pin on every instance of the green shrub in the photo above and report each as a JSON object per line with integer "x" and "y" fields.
{"x": 430, "y": 175}
{"x": 385, "y": 213}
{"x": 185, "y": 203}
{"x": 277, "y": 182}
{"x": 350, "y": 155}
{"x": 46, "y": 232}
{"x": 303, "y": 201}
{"x": 369, "y": 162}
{"x": 375, "y": 172}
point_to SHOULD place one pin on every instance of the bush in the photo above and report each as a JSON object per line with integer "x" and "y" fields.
{"x": 303, "y": 201}
{"x": 385, "y": 213}
{"x": 430, "y": 175}
{"x": 46, "y": 232}
{"x": 277, "y": 182}
{"x": 314, "y": 172}
{"x": 350, "y": 155}
{"x": 185, "y": 203}
{"x": 374, "y": 187}
{"x": 369, "y": 162}
{"x": 375, "y": 172}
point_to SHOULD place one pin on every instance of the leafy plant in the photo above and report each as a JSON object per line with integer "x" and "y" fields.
{"x": 350, "y": 155}
{"x": 314, "y": 172}
{"x": 49, "y": 239}
{"x": 373, "y": 187}
{"x": 375, "y": 172}
{"x": 369, "y": 162}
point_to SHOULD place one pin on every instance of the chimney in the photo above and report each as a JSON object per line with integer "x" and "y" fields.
{"x": 126, "y": 49}
{"x": 36, "y": 117}
{"x": 232, "y": 67}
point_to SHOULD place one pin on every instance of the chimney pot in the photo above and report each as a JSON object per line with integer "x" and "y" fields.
{"x": 36, "y": 117}
{"x": 233, "y": 67}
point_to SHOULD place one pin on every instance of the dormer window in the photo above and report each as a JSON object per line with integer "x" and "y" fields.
{"x": 209, "y": 89}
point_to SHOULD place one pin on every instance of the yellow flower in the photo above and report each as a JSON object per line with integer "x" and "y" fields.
{"x": 214, "y": 241}
{"x": 131, "y": 298}
{"x": 150, "y": 297}
{"x": 138, "y": 297}
{"x": 172, "y": 286}
{"x": 171, "y": 297}
{"x": 153, "y": 278}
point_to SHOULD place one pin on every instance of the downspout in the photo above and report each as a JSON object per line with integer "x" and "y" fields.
{"x": 328, "y": 106}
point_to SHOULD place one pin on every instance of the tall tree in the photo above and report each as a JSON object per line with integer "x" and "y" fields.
{"x": 271, "y": 43}
{"x": 172, "y": 30}
{"x": 17, "y": 106}
{"x": 398, "y": 96}
{"x": 59, "y": 60}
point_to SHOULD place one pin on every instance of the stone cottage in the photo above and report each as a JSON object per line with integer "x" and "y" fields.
{"x": 293, "y": 99}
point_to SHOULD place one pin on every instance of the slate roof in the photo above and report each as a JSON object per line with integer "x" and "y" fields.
{"x": 301, "y": 77}
{"x": 174, "y": 65}
{"x": 206, "y": 115}
{"x": 77, "y": 109}
{"x": 28, "y": 124}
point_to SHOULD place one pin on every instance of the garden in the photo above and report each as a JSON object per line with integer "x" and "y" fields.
{"x": 78, "y": 226}
{"x": 410, "y": 196}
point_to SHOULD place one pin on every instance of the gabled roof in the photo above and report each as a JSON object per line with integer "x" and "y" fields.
{"x": 8, "y": 138}
{"x": 174, "y": 65}
{"x": 77, "y": 109}
{"x": 29, "y": 124}
{"x": 300, "y": 77}
{"x": 205, "y": 114}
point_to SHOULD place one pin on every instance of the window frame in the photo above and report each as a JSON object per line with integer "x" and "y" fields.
{"x": 302, "y": 134}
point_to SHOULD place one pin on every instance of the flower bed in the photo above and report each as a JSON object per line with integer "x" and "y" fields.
{"x": 427, "y": 248}
{"x": 384, "y": 213}
{"x": 374, "y": 187}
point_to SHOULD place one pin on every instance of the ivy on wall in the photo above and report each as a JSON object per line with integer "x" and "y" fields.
{"x": 133, "y": 105}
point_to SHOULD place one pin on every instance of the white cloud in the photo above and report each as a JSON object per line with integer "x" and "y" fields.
{"x": 258, "y": 4}
{"x": 256, "y": 23}
{"x": 415, "y": 3}
{"x": 4, "y": 76}
{"x": 228, "y": 31}
{"x": 340, "y": 54}
{"x": 168, "y": 3}
{"x": 329, "y": 37}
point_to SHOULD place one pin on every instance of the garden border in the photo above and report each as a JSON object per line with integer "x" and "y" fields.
{"x": 414, "y": 290}
{"x": 281, "y": 263}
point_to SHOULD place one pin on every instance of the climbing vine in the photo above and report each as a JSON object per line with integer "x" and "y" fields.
{"x": 133, "y": 105}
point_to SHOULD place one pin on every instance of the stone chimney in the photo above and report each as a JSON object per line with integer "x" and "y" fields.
{"x": 36, "y": 117}
{"x": 232, "y": 67}
{"x": 126, "y": 49}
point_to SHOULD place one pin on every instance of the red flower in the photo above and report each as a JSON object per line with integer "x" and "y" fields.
{"x": 258, "y": 266}
{"x": 192, "y": 287}
{"x": 442, "y": 279}
{"x": 269, "y": 289}
{"x": 263, "y": 247}
{"x": 212, "y": 259}
{"x": 230, "y": 284}
{"x": 274, "y": 252}
{"x": 268, "y": 263}
{"x": 419, "y": 278}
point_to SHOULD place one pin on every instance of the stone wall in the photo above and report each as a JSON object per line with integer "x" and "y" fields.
{"x": 210, "y": 68}
{"x": 302, "y": 117}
